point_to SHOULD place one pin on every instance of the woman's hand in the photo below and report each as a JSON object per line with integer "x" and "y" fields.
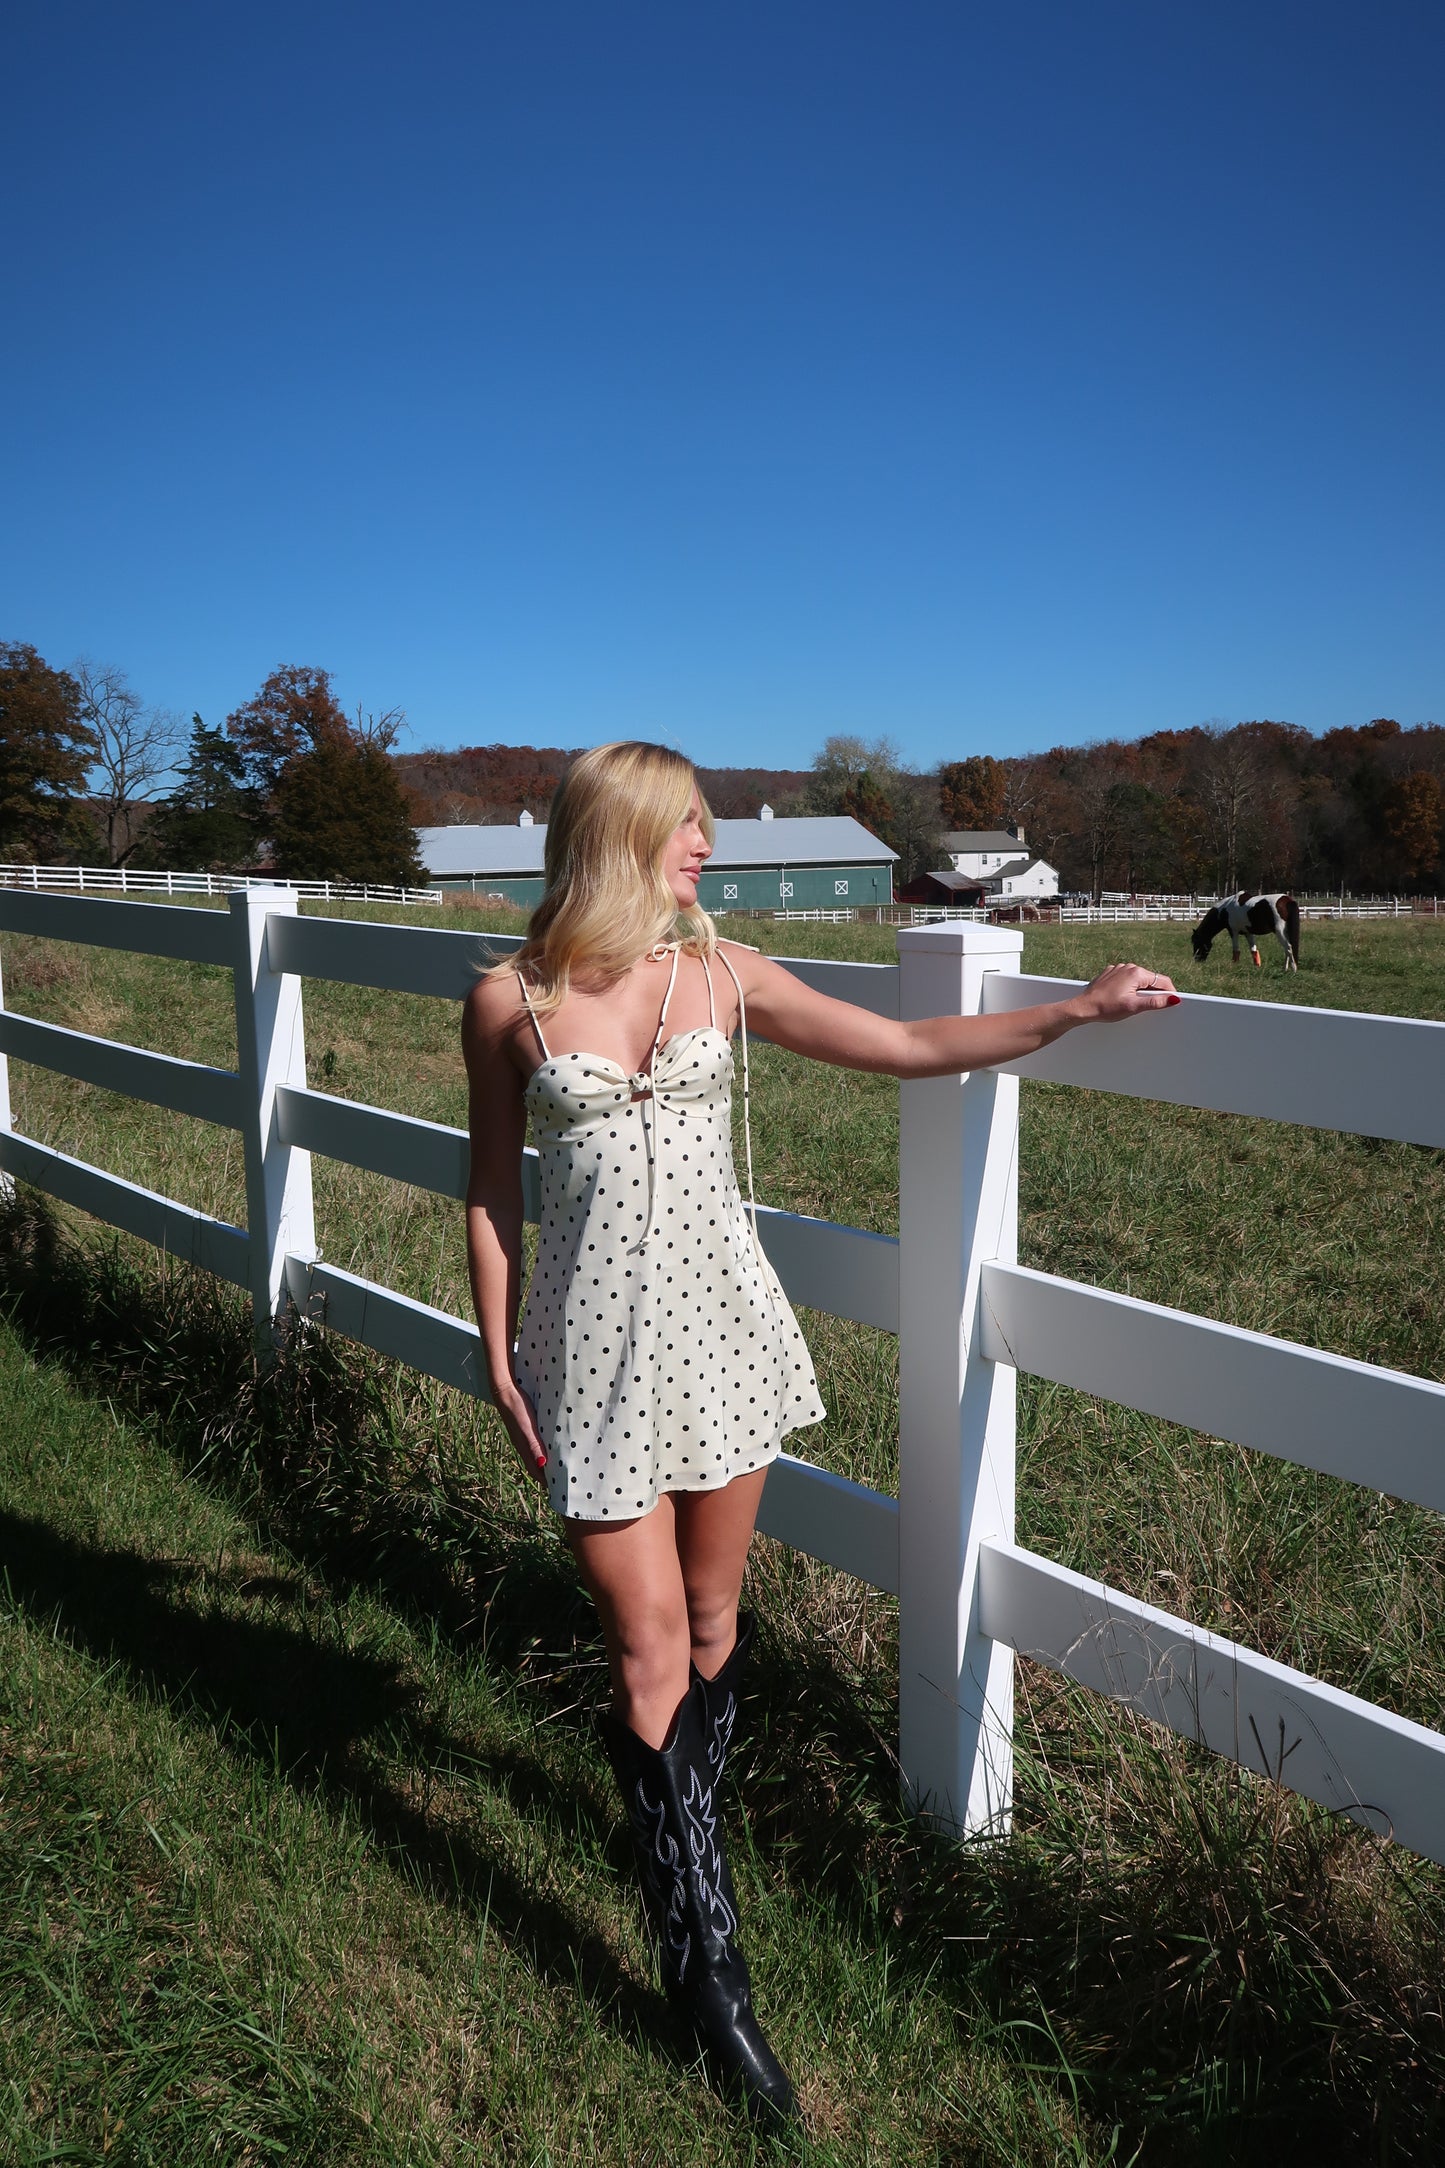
{"x": 519, "y": 1419}
{"x": 1123, "y": 990}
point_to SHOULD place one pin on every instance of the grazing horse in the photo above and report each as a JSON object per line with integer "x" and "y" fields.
{"x": 1249, "y": 916}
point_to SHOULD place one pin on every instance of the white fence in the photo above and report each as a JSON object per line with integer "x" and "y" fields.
{"x": 967, "y": 1314}
{"x": 1135, "y": 914}
{"x": 105, "y": 880}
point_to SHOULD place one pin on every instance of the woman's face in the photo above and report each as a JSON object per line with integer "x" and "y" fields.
{"x": 684, "y": 855}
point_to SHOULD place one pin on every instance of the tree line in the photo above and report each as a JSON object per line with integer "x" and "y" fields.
{"x": 1205, "y": 810}
{"x": 293, "y": 784}
{"x": 1216, "y": 808}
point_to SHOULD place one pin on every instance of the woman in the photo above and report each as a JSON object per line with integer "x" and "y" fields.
{"x": 659, "y": 1367}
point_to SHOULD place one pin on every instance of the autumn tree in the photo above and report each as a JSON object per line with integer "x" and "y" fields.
{"x": 45, "y": 750}
{"x": 324, "y": 785}
{"x": 1414, "y": 812}
{"x": 134, "y": 746}
{"x": 864, "y": 801}
{"x": 973, "y": 793}
{"x": 295, "y": 712}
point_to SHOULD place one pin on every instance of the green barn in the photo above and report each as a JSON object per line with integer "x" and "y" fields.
{"x": 763, "y": 865}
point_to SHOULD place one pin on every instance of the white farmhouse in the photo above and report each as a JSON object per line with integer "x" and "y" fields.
{"x": 979, "y": 852}
{"x": 995, "y": 857}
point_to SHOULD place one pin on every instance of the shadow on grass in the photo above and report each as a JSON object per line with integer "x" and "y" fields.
{"x": 1221, "y": 1970}
{"x": 273, "y": 1694}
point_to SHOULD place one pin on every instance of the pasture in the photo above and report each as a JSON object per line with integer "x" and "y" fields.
{"x": 306, "y": 1837}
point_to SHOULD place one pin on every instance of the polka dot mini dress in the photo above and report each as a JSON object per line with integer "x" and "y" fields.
{"x": 656, "y": 1344}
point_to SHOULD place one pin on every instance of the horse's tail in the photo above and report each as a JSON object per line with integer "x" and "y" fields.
{"x": 1289, "y": 912}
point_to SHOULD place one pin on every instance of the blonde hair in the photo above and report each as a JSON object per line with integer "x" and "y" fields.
{"x": 606, "y": 902}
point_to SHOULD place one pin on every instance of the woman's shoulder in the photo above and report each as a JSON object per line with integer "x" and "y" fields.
{"x": 495, "y": 1000}
{"x": 753, "y": 966}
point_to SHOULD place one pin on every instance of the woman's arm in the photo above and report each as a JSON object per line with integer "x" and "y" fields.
{"x": 806, "y": 1022}
{"x": 497, "y": 1119}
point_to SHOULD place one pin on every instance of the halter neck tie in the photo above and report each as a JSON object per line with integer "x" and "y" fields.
{"x": 644, "y": 1092}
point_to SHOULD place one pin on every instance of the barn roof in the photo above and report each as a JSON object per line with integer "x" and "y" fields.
{"x": 822, "y": 841}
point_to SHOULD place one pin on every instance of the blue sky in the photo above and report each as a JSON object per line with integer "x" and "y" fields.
{"x": 987, "y": 376}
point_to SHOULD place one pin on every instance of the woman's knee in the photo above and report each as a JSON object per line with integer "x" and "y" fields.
{"x": 712, "y": 1620}
{"x": 649, "y": 1633}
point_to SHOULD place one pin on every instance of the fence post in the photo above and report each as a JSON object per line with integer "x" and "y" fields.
{"x": 271, "y": 1046}
{"x": 958, "y": 1206}
{"x": 7, "y": 1186}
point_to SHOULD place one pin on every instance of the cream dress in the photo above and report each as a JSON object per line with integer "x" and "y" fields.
{"x": 656, "y": 1344}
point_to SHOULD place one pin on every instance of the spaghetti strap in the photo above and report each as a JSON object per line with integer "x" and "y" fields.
{"x": 711, "y": 1003}
{"x": 536, "y": 1025}
{"x": 667, "y": 997}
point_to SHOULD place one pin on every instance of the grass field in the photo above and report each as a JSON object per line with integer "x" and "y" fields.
{"x": 306, "y": 1842}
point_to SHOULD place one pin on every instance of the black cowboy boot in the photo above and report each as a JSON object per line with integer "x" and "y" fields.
{"x": 691, "y": 1907}
{"x": 720, "y": 1696}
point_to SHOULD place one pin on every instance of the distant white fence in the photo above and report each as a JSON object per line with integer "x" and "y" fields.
{"x": 1135, "y": 914}
{"x": 105, "y": 880}
{"x": 968, "y": 1316}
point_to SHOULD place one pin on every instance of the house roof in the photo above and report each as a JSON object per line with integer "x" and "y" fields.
{"x": 512, "y": 851}
{"x": 953, "y": 882}
{"x": 1014, "y": 866}
{"x": 980, "y": 839}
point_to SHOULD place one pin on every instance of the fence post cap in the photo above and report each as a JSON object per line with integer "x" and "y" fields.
{"x": 962, "y": 940}
{"x": 275, "y": 898}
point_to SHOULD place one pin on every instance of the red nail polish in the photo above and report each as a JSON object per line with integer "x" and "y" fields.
{"x": 1173, "y": 1001}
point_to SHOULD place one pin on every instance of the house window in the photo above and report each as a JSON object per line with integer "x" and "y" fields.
{"x": 785, "y": 888}
{"x": 730, "y": 891}
{"x": 840, "y": 888}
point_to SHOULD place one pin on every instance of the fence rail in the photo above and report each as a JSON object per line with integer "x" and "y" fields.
{"x": 968, "y": 1316}
{"x": 134, "y": 881}
{"x": 1137, "y": 914}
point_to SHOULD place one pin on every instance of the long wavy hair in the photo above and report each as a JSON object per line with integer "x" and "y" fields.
{"x": 606, "y": 902}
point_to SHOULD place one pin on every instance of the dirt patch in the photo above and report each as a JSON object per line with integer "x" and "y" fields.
{"x": 36, "y": 966}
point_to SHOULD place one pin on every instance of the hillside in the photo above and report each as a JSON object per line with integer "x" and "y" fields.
{"x": 488, "y": 783}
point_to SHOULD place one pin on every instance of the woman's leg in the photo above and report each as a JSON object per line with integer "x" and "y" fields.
{"x": 633, "y": 1574}
{"x": 667, "y": 1587}
{"x": 714, "y": 1529}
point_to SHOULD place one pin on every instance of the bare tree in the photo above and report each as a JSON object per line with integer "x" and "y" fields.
{"x": 1025, "y": 782}
{"x": 1096, "y": 803}
{"x": 916, "y": 832}
{"x": 845, "y": 762}
{"x": 379, "y": 732}
{"x": 1227, "y": 781}
{"x": 134, "y": 747}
